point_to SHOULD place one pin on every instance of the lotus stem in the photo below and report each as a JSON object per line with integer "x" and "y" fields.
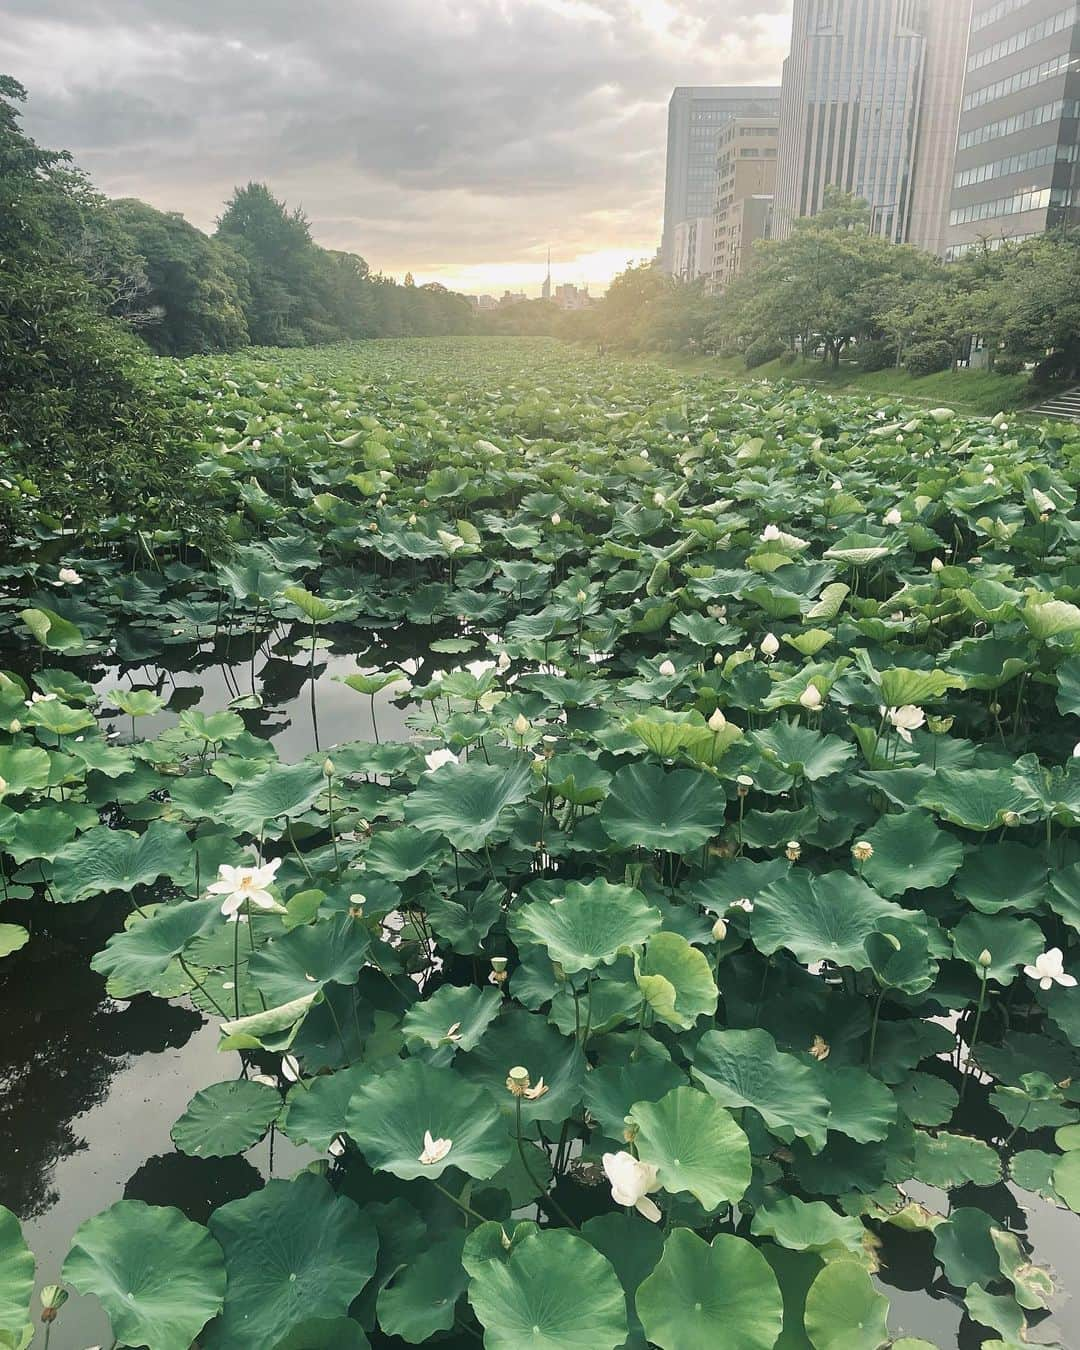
{"x": 874, "y": 1027}
{"x": 984, "y": 972}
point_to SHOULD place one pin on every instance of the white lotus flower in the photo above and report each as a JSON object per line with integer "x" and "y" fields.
{"x": 40, "y": 698}
{"x": 1049, "y": 970}
{"x": 69, "y": 576}
{"x": 717, "y": 722}
{"x": 658, "y": 499}
{"x": 892, "y": 517}
{"x": 936, "y": 565}
{"x": 743, "y": 903}
{"x": 667, "y": 669}
{"x": 906, "y": 720}
{"x": 556, "y": 519}
{"x": 435, "y": 1150}
{"x": 770, "y": 532}
{"x": 810, "y": 697}
{"x": 631, "y": 1182}
{"x": 837, "y": 486}
{"x": 503, "y": 663}
{"x": 245, "y": 885}
{"x": 437, "y": 758}
{"x": 521, "y": 724}
{"x": 770, "y": 645}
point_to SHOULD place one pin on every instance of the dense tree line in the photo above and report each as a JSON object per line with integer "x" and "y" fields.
{"x": 836, "y": 290}
{"x": 90, "y": 287}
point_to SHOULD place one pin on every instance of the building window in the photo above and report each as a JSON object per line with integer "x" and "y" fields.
{"x": 1019, "y": 163}
{"x": 1016, "y": 42}
{"x": 1036, "y": 199}
{"x": 1046, "y": 70}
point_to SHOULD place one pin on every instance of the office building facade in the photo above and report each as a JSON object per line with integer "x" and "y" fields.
{"x": 696, "y": 117}
{"x": 1015, "y": 172}
{"x": 850, "y": 107}
{"x": 745, "y": 182}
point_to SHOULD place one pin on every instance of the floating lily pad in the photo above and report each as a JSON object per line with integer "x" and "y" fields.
{"x": 588, "y": 925}
{"x": 696, "y": 1146}
{"x": 226, "y": 1118}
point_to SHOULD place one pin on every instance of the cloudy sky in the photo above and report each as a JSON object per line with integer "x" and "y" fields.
{"x": 458, "y": 138}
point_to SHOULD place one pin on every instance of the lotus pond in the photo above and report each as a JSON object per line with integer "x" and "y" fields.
{"x": 584, "y": 859}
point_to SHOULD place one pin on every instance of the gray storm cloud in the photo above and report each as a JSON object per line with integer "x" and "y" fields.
{"x": 420, "y": 134}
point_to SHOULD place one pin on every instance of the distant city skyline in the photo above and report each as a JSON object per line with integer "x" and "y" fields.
{"x": 455, "y": 142}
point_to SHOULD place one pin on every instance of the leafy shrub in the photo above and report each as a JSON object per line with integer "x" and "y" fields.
{"x": 927, "y": 358}
{"x": 763, "y": 350}
{"x": 1009, "y": 364}
{"x": 875, "y": 354}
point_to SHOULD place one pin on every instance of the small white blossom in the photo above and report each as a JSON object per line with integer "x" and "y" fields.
{"x": 810, "y": 697}
{"x": 905, "y": 720}
{"x": 1049, "y": 970}
{"x": 892, "y": 517}
{"x": 245, "y": 885}
{"x": 69, "y": 576}
{"x": 667, "y": 669}
{"x": 437, "y": 758}
{"x": 717, "y": 722}
{"x": 770, "y": 645}
{"x": 631, "y": 1182}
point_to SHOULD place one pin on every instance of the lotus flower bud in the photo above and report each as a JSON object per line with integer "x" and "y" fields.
{"x": 719, "y": 930}
{"x": 718, "y": 658}
{"x": 15, "y": 726}
{"x": 717, "y": 722}
{"x": 328, "y": 767}
{"x": 658, "y": 499}
{"x": 667, "y": 669}
{"x": 581, "y": 597}
{"x": 936, "y": 565}
{"x": 985, "y": 960}
{"x": 556, "y": 519}
{"x": 892, "y": 517}
{"x": 770, "y": 645}
{"x": 810, "y": 697}
{"x": 521, "y": 724}
{"x": 3, "y": 786}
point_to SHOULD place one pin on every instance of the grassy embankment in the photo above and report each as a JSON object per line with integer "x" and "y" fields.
{"x": 973, "y": 391}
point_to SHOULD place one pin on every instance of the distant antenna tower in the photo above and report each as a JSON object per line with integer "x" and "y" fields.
{"x": 545, "y": 292}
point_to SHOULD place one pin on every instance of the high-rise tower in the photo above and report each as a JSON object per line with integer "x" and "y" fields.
{"x": 850, "y": 106}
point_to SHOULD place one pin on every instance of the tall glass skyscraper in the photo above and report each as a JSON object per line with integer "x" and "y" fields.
{"x": 696, "y": 117}
{"x": 1016, "y": 171}
{"x": 850, "y": 108}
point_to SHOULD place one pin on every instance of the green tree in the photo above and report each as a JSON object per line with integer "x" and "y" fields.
{"x": 194, "y": 283}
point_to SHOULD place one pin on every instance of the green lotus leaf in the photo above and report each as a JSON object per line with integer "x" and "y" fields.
{"x": 899, "y": 956}
{"x": 282, "y": 792}
{"x": 677, "y": 811}
{"x": 326, "y": 1333}
{"x": 696, "y": 1146}
{"x": 104, "y": 860}
{"x": 1005, "y": 876}
{"x": 701, "y": 1295}
{"x": 217, "y": 727}
{"x": 530, "y": 1040}
{"x": 159, "y": 1277}
{"x": 1033, "y": 1287}
{"x": 137, "y": 957}
{"x": 900, "y": 686}
{"x": 53, "y": 631}
{"x": 464, "y": 923}
{"x": 926, "y": 1099}
{"x": 306, "y": 959}
{"x": 962, "y": 1244}
{"x": 676, "y": 980}
{"x": 860, "y": 1105}
{"x": 910, "y": 853}
{"x": 468, "y": 1009}
{"x": 801, "y": 752}
{"x": 611, "y": 1089}
{"x": 389, "y": 1116}
{"x": 844, "y": 1311}
{"x": 294, "y": 1251}
{"x": 271, "y": 1029}
{"x": 950, "y": 1160}
{"x": 1050, "y": 618}
{"x": 1012, "y": 943}
{"x": 402, "y": 852}
{"x": 633, "y": 1248}
{"x": 12, "y": 937}
{"x": 420, "y": 1300}
{"x": 1067, "y": 1179}
{"x": 588, "y": 925}
{"x": 311, "y": 606}
{"x": 24, "y": 768}
{"x": 464, "y": 802}
{"x": 554, "y": 1292}
{"x": 1033, "y": 1170}
{"x": 999, "y": 1311}
{"x": 578, "y": 779}
{"x": 795, "y": 1272}
{"x": 978, "y": 799}
{"x": 810, "y": 1227}
{"x": 987, "y": 663}
{"x": 226, "y": 1118}
{"x": 58, "y": 718}
{"x": 16, "y": 1281}
{"x": 819, "y": 918}
{"x": 315, "y": 1109}
{"x": 744, "y": 1068}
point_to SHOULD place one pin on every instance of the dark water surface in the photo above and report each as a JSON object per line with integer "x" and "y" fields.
{"x": 90, "y": 1087}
